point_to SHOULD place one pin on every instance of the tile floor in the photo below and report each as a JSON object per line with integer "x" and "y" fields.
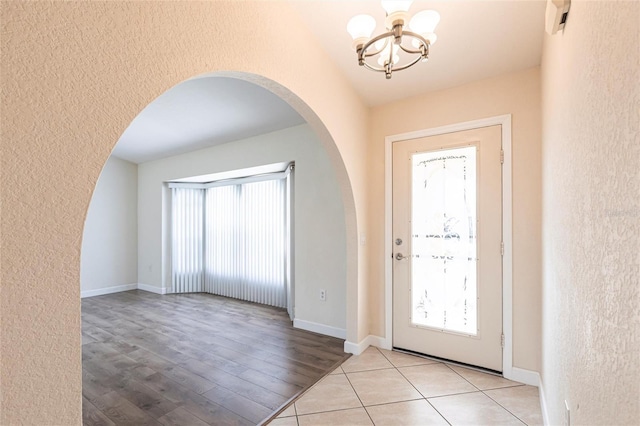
{"x": 381, "y": 387}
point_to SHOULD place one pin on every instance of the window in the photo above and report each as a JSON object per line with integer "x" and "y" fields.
{"x": 231, "y": 238}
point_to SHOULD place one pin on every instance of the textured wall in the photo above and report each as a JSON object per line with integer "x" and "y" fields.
{"x": 109, "y": 254}
{"x": 74, "y": 75}
{"x": 517, "y": 94}
{"x": 591, "y": 215}
{"x": 320, "y": 251}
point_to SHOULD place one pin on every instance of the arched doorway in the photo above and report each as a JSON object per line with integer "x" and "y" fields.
{"x": 191, "y": 117}
{"x": 320, "y": 213}
{"x": 76, "y": 77}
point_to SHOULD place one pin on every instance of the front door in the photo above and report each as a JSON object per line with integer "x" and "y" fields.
{"x": 447, "y": 244}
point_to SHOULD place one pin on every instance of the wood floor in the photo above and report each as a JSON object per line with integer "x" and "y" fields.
{"x": 194, "y": 359}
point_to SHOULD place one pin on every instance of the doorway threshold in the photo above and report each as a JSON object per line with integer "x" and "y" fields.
{"x": 448, "y": 361}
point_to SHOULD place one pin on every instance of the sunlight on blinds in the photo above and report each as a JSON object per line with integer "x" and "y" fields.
{"x": 187, "y": 239}
{"x": 231, "y": 241}
{"x": 245, "y": 251}
{"x": 444, "y": 240}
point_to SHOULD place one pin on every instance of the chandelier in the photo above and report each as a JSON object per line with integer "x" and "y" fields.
{"x": 396, "y": 49}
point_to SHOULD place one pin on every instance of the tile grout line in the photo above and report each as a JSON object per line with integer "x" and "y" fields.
{"x": 461, "y": 393}
{"x": 358, "y": 396}
{"x": 423, "y": 397}
{"x": 505, "y": 408}
{"x": 397, "y": 368}
{"x": 463, "y": 378}
{"x": 330, "y": 411}
{"x": 372, "y": 369}
{"x": 483, "y": 392}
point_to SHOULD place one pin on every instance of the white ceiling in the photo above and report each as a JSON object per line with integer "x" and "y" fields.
{"x": 477, "y": 39}
{"x": 203, "y": 112}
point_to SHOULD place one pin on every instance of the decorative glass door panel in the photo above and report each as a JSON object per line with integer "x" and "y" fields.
{"x": 443, "y": 240}
{"x": 447, "y": 233}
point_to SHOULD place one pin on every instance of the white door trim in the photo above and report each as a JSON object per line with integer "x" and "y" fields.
{"x": 507, "y": 260}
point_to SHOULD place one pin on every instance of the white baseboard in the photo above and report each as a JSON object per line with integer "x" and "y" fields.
{"x": 382, "y": 343}
{"x": 152, "y": 288}
{"x": 528, "y": 377}
{"x": 126, "y": 287}
{"x": 543, "y": 404}
{"x": 108, "y": 290}
{"x": 327, "y": 330}
{"x": 370, "y": 340}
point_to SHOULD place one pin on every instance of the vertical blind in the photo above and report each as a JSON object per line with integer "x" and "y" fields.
{"x": 187, "y": 239}
{"x": 230, "y": 240}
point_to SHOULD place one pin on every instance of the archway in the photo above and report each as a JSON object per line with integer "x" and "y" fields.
{"x": 320, "y": 251}
{"x": 194, "y": 114}
{"x": 74, "y": 82}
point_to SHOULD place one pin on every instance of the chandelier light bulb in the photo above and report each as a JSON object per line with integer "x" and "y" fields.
{"x": 391, "y": 6}
{"x": 384, "y": 55}
{"x": 361, "y": 26}
{"x": 385, "y": 52}
{"x": 424, "y": 22}
{"x": 385, "y": 43}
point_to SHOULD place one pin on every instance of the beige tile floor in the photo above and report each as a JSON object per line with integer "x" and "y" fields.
{"x": 381, "y": 387}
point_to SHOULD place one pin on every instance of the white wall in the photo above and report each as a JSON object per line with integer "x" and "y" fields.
{"x": 109, "y": 255}
{"x": 591, "y": 215}
{"x": 320, "y": 238}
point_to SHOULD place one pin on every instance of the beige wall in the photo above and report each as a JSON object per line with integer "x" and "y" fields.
{"x": 517, "y": 94}
{"x": 74, "y": 75}
{"x": 591, "y": 215}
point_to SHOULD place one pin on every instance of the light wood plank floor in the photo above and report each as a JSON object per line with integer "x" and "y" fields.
{"x": 194, "y": 359}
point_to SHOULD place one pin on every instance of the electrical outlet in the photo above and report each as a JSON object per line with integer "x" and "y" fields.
{"x": 567, "y": 414}
{"x": 323, "y": 294}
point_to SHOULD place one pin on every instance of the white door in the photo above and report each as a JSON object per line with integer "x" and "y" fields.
{"x": 447, "y": 242}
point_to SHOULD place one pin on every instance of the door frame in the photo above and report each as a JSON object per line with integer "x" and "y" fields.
{"x": 507, "y": 221}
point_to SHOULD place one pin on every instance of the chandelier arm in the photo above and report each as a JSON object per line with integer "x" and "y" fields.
{"x": 373, "y": 68}
{"x": 363, "y": 54}
{"x": 372, "y": 41}
{"x": 415, "y": 35}
{"x": 377, "y": 69}
{"x": 413, "y": 52}
{"x": 377, "y": 52}
{"x": 404, "y": 67}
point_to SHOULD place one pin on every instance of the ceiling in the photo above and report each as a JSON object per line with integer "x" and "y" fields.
{"x": 477, "y": 39}
{"x": 203, "y": 112}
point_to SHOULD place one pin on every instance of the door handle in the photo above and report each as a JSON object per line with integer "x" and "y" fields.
{"x": 399, "y": 256}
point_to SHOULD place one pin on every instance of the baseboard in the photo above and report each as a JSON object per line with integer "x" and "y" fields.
{"x": 543, "y": 404}
{"x": 528, "y": 377}
{"x": 108, "y": 290}
{"x": 370, "y": 340}
{"x": 152, "y": 288}
{"x": 126, "y": 287}
{"x": 327, "y": 330}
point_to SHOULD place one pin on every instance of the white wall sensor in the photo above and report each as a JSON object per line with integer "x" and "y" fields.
{"x": 557, "y": 11}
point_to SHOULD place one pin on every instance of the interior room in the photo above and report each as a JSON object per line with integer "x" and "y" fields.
{"x": 110, "y": 109}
